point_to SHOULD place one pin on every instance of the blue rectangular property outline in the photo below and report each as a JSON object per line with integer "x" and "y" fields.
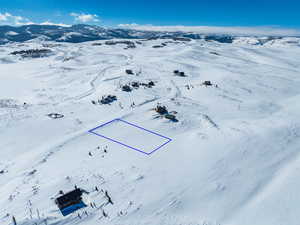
{"x": 133, "y": 148}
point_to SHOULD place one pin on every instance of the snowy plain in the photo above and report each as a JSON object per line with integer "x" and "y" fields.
{"x": 234, "y": 155}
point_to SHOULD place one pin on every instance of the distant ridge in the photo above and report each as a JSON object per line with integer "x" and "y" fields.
{"x": 81, "y": 33}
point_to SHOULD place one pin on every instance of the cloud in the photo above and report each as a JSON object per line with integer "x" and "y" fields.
{"x": 257, "y": 31}
{"x": 9, "y": 19}
{"x": 13, "y": 20}
{"x": 4, "y": 16}
{"x": 84, "y": 18}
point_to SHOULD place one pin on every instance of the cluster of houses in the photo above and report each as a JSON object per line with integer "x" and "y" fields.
{"x": 135, "y": 85}
{"x": 105, "y": 99}
{"x": 33, "y": 53}
{"x": 179, "y": 73}
{"x": 130, "y": 44}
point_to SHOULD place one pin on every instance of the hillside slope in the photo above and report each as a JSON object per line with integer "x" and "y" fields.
{"x": 234, "y": 154}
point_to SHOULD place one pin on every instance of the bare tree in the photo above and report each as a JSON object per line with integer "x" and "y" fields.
{"x": 14, "y": 220}
{"x": 38, "y": 213}
{"x": 108, "y": 198}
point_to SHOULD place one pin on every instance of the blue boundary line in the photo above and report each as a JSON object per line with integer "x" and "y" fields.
{"x": 133, "y": 148}
{"x": 102, "y": 125}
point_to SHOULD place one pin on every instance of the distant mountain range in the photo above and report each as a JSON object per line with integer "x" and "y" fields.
{"x": 81, "y": 33}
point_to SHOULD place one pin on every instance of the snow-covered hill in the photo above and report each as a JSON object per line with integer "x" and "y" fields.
{"x": 234, "y": 155}
{"x": 82, "y": 32}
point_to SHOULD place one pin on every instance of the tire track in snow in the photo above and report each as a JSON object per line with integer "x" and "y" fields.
{"x": 102, "y": 73}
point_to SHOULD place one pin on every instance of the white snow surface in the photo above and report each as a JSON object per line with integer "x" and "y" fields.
{"x": 234, "y": 155}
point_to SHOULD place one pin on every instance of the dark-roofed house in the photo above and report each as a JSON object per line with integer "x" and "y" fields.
{"x": 70, "y": 202}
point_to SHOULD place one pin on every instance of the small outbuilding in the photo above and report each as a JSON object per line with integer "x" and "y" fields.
{"x": 129, "y": 72}
{"x": 207, "y": 83}
{"x": 171, "y": 117}
{"x": 126, "y": 88}
{"x": 182, "y": 74}
{"x": 55, "y": 115}
{"x": 135, "y": 84}
{"x": 179, "y": 73}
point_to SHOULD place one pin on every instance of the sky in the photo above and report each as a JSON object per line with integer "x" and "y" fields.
{"x": 224, "y": 13}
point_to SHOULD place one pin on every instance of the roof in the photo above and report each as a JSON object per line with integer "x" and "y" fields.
{"x": 70, "y": 196}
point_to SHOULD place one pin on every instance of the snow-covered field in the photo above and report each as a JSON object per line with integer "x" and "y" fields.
{"x": 234, "y": 155}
